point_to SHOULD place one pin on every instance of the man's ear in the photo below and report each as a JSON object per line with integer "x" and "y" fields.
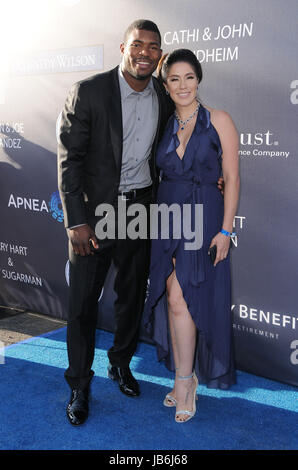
{"x": 122, "y": 47}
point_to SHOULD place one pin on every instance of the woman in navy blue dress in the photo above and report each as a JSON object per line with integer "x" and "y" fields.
{"x": 188, "y": 309}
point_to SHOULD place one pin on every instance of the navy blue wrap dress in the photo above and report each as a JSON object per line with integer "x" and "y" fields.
{"x": 206, "y": 289}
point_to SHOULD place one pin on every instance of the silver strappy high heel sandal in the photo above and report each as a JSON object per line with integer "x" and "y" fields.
{"x": 189, "y": 414}
{"x": 169, "y": 400}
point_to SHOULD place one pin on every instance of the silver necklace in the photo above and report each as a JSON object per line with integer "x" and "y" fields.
{"x": 183, "y": 123}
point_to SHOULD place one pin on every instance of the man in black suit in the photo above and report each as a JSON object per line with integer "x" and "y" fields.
{"x": 110, "y": 127}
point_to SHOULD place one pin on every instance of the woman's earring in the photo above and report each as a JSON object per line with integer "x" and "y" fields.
{"x": 167, "y": 92}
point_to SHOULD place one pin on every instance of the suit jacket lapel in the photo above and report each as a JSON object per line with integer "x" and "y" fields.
{"x": 115, "y": 118}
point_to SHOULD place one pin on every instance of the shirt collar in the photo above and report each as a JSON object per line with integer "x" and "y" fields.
{"x": 126, "y": 90}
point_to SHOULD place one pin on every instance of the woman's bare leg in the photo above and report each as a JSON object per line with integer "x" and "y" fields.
{"x": 183, "y": 333}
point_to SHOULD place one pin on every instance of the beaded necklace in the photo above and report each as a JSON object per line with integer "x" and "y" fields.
{"x": 183, "y": 123}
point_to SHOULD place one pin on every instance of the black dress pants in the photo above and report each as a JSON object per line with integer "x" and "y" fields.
{"x": 87, "y": 276}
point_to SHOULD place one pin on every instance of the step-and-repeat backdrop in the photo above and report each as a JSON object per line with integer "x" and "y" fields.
{"x": 249, "y": 59}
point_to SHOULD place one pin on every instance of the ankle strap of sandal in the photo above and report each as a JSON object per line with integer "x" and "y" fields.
{"x": 184, "y": 377}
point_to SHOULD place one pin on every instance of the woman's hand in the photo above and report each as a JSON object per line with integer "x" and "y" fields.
{"x": 222, "y": 243}
{"x": 221, "y": 185}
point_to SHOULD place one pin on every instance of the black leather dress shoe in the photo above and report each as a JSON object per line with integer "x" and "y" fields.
{"x": 78, "y": 408}
{"x": 127, "y": 383}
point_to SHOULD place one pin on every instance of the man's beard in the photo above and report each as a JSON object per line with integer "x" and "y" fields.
{"x": 137, "y": 76}
{"x": 134, "y": 74}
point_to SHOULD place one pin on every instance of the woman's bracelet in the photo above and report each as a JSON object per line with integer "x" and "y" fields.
{"x": 228, "y": 234}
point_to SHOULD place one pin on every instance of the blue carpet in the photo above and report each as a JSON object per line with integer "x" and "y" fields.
{"x": 256, "y": 414}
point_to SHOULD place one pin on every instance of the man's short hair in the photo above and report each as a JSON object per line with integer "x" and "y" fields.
{"x": 147, "y": 25}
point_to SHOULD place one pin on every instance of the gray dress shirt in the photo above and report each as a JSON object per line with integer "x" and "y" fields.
{"x": 140, "y": 118}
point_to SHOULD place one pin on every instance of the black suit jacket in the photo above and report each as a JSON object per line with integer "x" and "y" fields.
{"x": 90, "y": 146}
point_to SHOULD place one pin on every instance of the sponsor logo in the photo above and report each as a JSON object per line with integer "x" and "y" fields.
{"x": 21, "y": 277}
{"x": 221, "y": 33}
{"x": 11, "y": 133}
{"x": 13, "y": 249}
{"x": 258, "y": 321}
{"x": 31, "y": 204}
{"x": 10, "y": 273}
{"x": 261, "y": 144}
{"x": 59, "y": 61}
{"x": 53, "y": 207}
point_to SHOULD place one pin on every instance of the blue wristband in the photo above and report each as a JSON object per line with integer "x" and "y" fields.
{"x": 228, "y": 234}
